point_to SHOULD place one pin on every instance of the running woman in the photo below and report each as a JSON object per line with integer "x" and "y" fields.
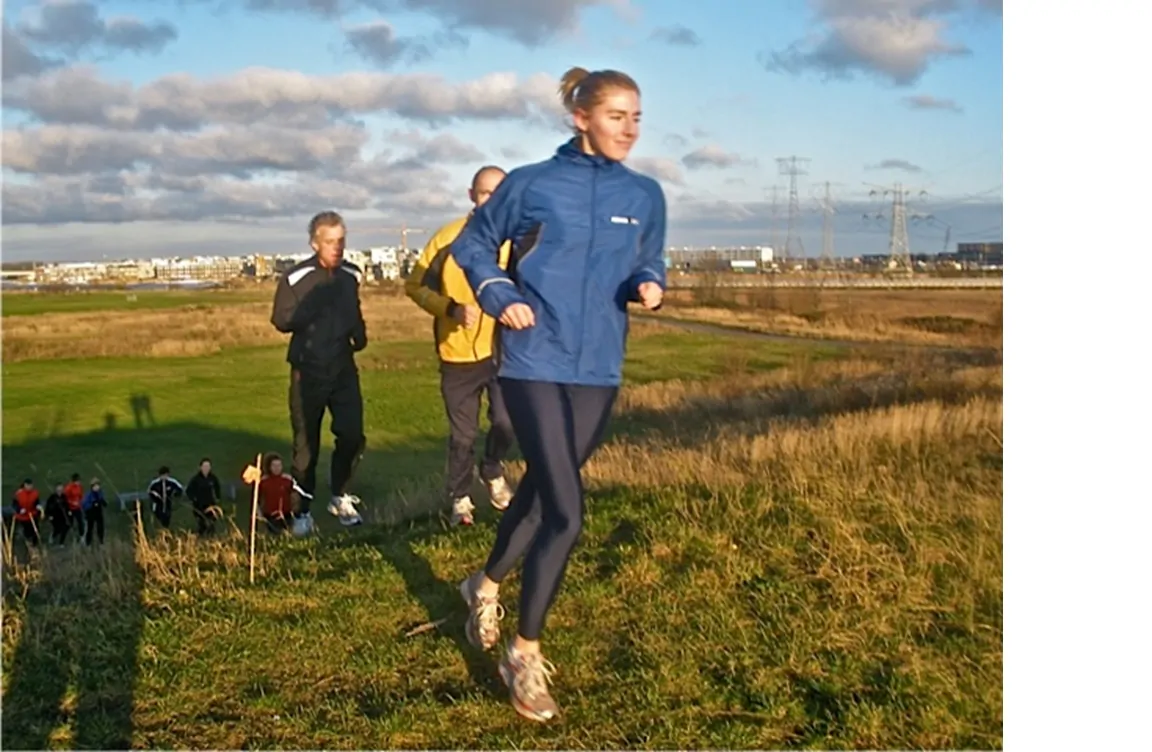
{"x": 587, "y": 237}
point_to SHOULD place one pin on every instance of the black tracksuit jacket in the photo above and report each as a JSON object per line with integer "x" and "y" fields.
{"x": 320, "y": 308}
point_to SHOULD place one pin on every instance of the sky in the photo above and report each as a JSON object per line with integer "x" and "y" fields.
{"x": 188, "y": 127}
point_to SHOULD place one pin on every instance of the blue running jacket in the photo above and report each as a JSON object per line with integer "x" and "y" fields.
{"x": 586, "y": 232}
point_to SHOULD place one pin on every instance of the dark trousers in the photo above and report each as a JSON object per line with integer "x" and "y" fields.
{"x": 308, "y": 398}
{"x": 205, "y": 524}
{"x": 59, "y": 528}
{"x": 95, "y": 518}
{"x": 31, "y": 532}
{"x": 558, "y": 427}
{"x": 77, "y": 518}
{"x": 461, "y": 385}
{"x": 163, "y": 513}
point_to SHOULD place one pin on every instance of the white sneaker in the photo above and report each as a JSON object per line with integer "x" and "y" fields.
{"x": 302, "y": 526}
{"x": 484, "y": 615}
{"x": 499, "y": 493}
{"x": 344, "y": 507}
{"x": 462, "y": 510}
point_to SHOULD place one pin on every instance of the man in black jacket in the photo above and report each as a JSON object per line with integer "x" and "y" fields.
{"x": 163, "y": 490}
{"x": 318, "y": 302}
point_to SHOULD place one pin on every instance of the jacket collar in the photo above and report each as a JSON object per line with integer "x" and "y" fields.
{"x": 570, "y": 151}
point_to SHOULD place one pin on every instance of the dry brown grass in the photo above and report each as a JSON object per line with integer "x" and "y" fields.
{"x": 193, "y": 330}
{"x": 188, "y": 331}
{"x": 938, "y": 317}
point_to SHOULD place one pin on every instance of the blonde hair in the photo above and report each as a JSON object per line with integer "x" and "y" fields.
{"x": 583, "y": 90}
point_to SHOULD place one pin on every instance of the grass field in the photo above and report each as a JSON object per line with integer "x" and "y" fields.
{"x": 28, "y": 304}
{"x": 970, "y": 318}
{"x": 787, "y": 545}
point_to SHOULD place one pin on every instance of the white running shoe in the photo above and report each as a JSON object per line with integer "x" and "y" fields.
{"x": 528, "y": 676}
{"x": 484, "y": 615}
{"x": 462, "y": 510}
{"x": 344, "y": 507}
{"x": 302, "y": 526}
{"x": 500, "y": 493}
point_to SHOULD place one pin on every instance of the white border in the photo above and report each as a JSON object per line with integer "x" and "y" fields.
{"x": 1078, "y": 528}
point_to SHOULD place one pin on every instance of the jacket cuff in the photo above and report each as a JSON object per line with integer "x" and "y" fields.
{"x": 638, "y": 279}
{"x": 495, "y": 295}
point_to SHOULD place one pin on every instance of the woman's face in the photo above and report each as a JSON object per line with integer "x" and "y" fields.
{"x": 612, "y": 128}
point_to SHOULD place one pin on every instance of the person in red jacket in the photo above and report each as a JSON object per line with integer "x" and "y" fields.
{"x": 276, "y": 496}
{"x": 74, "y": 495}
{"x": 26, "y": 508}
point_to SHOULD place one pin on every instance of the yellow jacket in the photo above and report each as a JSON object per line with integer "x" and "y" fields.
{"x": 435, "y": 282}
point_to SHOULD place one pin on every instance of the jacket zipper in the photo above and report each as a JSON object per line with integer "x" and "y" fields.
{"x": 584, "y": 276}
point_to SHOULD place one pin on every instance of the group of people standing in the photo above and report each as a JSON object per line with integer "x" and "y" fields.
{"x": 72, "y": 508}
{"x": 69, "y": 507}
{"x": 529, "y": 294}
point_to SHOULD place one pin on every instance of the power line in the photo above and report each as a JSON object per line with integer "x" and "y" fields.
{"x": 899, "y": 251}
{"x": 827, "y": 250}
{"x": 774, "y": 237}
{"x": 793, "y": 167}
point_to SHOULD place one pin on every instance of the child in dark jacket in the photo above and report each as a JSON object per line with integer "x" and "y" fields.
{"x": 94, "y": 504}
{"x": 203, "y": 490}
{"x": 163, "y": 490}
{"x": 57, "y": 509}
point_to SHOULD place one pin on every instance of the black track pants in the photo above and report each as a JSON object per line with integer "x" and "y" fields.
{"x": 308, "y": 398}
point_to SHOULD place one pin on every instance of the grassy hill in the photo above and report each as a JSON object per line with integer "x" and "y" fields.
{"x": 787, "y": 545}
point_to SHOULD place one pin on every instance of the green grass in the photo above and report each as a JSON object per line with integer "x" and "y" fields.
{"x": 30, "y": 304}
{"x": 837, "y": 598}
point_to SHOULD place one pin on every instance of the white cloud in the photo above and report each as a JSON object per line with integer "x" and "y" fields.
{"x": 71, "y": 150}
{"x": 895, "y": 40}
{"x": 713, "y": 156}
{"x": 677, "y": 36}
{"x": 79, "y": 95}
{"x": 929, "y": 102}
{"x": 529, "y": 22}
{"x": 903, "y": 165}
{"x": 662, "y": 169}
{"x": 378, "y": 43}
{"x": 257, "y": 143}
{"x": 75, "y": 26}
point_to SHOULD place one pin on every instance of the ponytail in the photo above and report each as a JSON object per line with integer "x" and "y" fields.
{"x": 569, "y": 83}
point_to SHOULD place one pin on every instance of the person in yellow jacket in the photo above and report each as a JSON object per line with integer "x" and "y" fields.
{"x": 467, "y": 346}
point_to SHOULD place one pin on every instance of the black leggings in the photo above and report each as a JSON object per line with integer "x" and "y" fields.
{"x": 558, "y": 427}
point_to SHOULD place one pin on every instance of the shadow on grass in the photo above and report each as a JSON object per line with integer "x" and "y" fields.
{"x": 74, "y": 664}
{"x": 71, "y": 670}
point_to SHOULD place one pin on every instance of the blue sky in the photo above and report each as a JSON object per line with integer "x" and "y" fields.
{"x": 154, "y": 128}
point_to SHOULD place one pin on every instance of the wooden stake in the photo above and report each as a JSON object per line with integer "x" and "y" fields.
{"x": 9, "y": 562}
{"x": 252, "y": 529}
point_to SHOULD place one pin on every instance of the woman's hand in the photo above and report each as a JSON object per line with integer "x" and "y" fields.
{"x": 651, "y": 296}
{"x": 518, "y": 316}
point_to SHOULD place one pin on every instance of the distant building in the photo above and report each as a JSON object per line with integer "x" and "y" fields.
{"x": 981, "y": 255}
{"x": 742, "y": 258}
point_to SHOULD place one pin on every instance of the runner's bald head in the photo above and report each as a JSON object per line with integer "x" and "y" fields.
{"x": 484, "y": 182}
